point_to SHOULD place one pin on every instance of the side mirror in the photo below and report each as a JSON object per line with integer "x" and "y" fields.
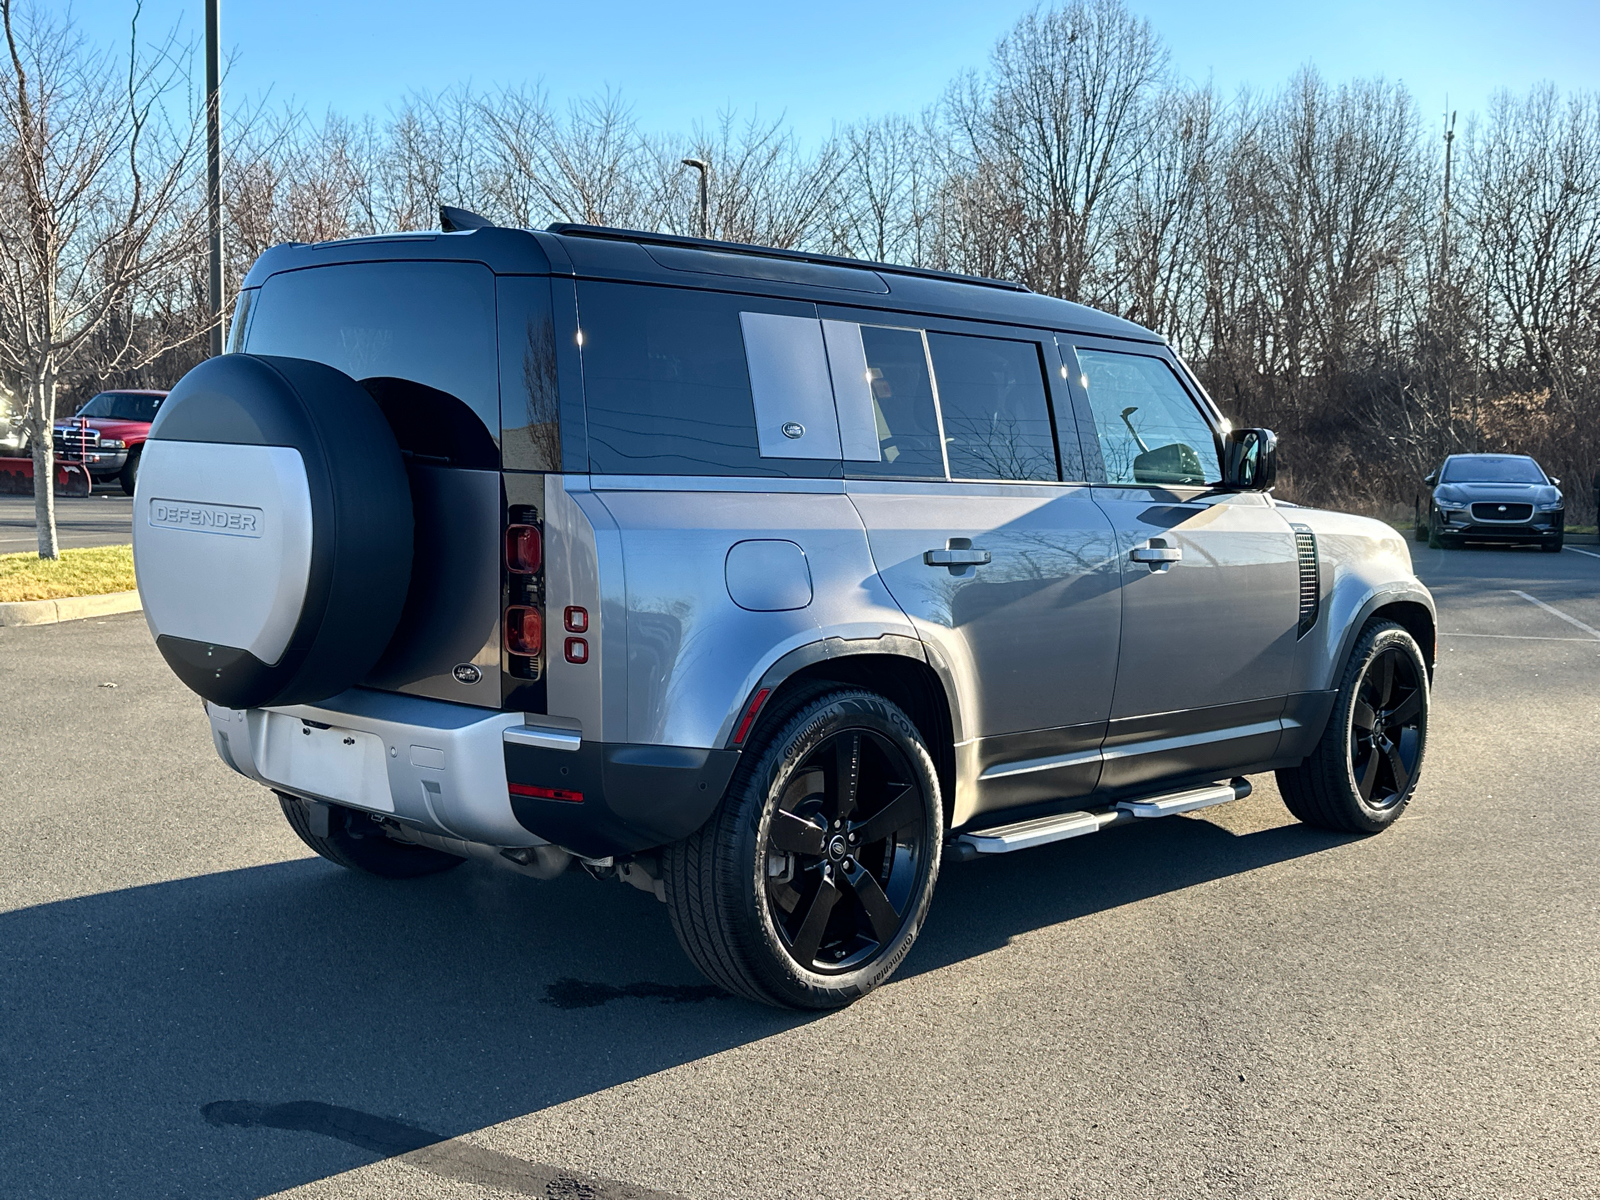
{"x": 1431, "y": 478}
{"x": 1250, "y": 460}
{"x": 1554, "y": 482}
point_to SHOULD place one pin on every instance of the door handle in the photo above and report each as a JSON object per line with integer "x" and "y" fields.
{"x": 1157, "y": 555}
{"x": 956, "y": 558}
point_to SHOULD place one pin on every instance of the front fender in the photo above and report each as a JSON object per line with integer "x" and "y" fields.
{"x": 1364, "y": 566}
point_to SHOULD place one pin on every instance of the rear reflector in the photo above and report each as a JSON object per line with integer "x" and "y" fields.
{"x": 577, "y": 619}
{"x": 750, "y": 716}
{"x": 524, "y": 549}
{"x": 577, "y": 650}
{"x": 544, "y": 793}
{"x": 524, "y": 630}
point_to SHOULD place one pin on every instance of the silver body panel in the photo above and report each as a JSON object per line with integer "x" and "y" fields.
{"x": 692, "y": 654}
{"x": 1208, "y": 635}
{"x": 1028, "y": 637}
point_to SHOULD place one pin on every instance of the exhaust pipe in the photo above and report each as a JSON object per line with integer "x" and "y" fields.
{"x": 542, "y": 862}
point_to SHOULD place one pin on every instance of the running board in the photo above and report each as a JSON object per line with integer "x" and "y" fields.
{"x": 1040, "y": 831}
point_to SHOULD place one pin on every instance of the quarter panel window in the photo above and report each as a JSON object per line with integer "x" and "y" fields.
{"x": 993, "y": 404}
{"x": 1149, "y": 430}
{"x": 530, "y": 401}
{"x": 666, "y": 384}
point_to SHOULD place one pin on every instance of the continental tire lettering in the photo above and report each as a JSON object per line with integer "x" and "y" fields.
{"x": 232, "y": 520}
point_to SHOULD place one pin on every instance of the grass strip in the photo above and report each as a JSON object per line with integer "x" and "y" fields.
{"x": 93, "y": 571}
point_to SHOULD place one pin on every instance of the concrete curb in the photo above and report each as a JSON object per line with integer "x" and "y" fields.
{"x": 72, "y": 608}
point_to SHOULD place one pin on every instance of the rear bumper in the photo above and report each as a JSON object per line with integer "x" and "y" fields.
{"x": 633, "y": 797}
{"x": 449, "y": 770}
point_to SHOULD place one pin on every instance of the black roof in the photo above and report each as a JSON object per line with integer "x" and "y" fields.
{"x": 596, "y": 252}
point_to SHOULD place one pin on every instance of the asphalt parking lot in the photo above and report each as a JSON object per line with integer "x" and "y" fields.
{"x": 102, "y": 519}
{"x": 1224, "y": 1003}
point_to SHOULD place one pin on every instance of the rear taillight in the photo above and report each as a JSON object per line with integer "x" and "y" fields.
{"x": 524, "y": 615}
{"x": 524, "y": 630}
{"x": 524, "y": 549}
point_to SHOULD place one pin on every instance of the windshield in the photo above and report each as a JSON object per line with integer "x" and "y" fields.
{"x": 122, "y": 406}
{"x": 1492, "y": 468}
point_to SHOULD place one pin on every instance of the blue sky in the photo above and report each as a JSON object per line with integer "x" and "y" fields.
{"x": 828, "y": 61}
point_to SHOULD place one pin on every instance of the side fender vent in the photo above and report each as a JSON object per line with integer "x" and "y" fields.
{"x": 1305, "y": 545}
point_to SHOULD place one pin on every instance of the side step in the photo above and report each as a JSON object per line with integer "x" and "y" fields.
{"x": 1038, "y": 831}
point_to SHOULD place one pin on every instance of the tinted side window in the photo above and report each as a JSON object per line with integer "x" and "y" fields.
{"x": 666, "y": 385}
{"x": 996, "y": 414}
{"x": 428, "y": 323}
{"x": 902, "y": 405}
{"x": 1150, "y": 431}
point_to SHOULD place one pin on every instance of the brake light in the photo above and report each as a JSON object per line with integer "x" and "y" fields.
{"x": 524, "y": 630}
{"x": 524, "y": 549}
{"x": 750, "y": 716}
{"x": 544, "y": 793}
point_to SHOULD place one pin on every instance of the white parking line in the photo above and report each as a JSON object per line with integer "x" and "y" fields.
{"x": 1589, "y": 629}
{"x": 1515, "y": 637}
{"x": 1575, "y": 550}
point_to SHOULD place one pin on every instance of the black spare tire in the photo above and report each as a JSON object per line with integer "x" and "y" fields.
{"x": 272, "y": 531}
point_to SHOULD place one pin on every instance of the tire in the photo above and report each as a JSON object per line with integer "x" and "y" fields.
{"x": 1437, "y": 540}
{"x": 1553, "y": 547}
{"x": 357, "y": 843}
{"x": 129, "y": 474}
{"x": 769, "y": 899}
{"x": 296, "y": 463}
{"x": 1422, "y": 531}
{"x": 1354, "y": 782}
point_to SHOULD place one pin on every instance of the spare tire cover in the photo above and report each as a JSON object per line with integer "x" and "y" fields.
{"x": 272, "y": 531}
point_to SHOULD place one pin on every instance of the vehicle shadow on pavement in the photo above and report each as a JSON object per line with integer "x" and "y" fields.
{"x": 981, "y": 905}
{"x": 446, "y": 1004}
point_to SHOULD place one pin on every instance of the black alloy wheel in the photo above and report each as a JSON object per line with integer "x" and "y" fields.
{"x": 1386, "y": 728}
{"x": 844, "y": 849}
{"x": 1364, "y": 769}
{"x": 809, "y": 884}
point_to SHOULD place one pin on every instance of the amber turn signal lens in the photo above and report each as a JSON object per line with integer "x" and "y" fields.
{"x": 524, "y": 630}
{"x": 524, "y": 549}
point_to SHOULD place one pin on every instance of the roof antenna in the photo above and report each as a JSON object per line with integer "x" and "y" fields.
{"x": 455, "y": 220}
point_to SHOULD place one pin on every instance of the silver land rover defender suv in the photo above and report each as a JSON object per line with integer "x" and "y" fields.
{"x": 763, "y": 581}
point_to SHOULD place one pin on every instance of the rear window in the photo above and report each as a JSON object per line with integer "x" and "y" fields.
{"x": 427, "y": 323}
{"x": 667, "y": 386}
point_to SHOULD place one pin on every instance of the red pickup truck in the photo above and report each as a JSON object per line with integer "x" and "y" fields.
{"x": 107, "y": 435}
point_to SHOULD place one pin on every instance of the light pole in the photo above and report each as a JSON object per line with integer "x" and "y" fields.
{"x": 701, "y": 165}
{"x": 214, "y": 169}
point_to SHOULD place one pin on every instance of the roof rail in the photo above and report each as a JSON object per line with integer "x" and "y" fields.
{"x": 831, "y": 260}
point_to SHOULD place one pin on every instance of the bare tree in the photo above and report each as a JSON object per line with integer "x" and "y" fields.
{"x": 101, "y": 204}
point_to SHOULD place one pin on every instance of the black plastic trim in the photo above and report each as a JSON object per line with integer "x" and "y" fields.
{"x": 831, "y": 260}
{"x": 635, "y": 796}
